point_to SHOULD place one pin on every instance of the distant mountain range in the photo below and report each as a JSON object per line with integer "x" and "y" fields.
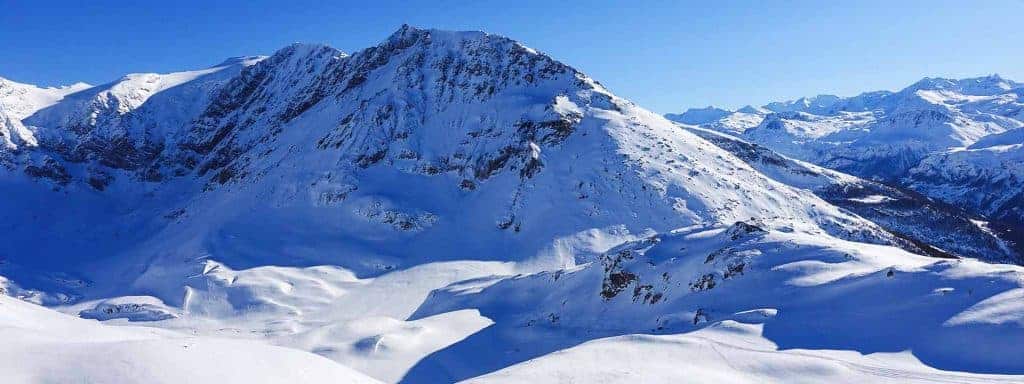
{"x": 955, "y": 141}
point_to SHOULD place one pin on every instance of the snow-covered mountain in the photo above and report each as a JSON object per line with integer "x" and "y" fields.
{"x": 388, "y": 148}
{"x": 18, "y": 101}
{"x": 932, "y": 227}
{"x": 948, "y": 139}
{"x": 986, "y": 177}
{"x": 697, "y": 116}
{"x": 126, "y": 124}
{"x": 447, "y": 205}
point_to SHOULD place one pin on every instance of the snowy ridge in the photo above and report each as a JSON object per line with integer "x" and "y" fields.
{"x": 18, "y": 101}
{"x": 126, "y": 124}
{"x": 22, "y": 100}
{"x": 696, "y": 116}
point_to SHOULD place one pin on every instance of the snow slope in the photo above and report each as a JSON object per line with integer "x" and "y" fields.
{"x": 829, "y": 309}
{"x": 18, "y": 101}
{"x": 43, "y": 346}
{"x": 730, "y": 352}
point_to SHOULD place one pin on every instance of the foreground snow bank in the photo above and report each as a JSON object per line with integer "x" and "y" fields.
{"x": 812, "y": 299}
{"x": 728, "y": 352}
{"x": 38, "y": 345}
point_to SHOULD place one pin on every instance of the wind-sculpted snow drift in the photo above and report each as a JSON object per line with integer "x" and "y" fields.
{"x": 450, "y": 204}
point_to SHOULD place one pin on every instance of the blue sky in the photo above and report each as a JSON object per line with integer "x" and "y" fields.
{"x": 664, "y": 55}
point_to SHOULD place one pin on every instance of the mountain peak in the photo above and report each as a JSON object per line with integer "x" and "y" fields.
{"x": 932, "y": 83}
{"x": 814, "y": 104}
{"x": 403, "y": 32}
{"x": 697, "y": 116}
{"x": 992, "y": 83}
{"x": 408, "y": 33}
{"x": 752, "y": 109}
{"x": 977, "y": 86}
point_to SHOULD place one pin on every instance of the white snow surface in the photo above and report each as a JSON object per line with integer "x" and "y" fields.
{"x": 43, "y": 346}
{"x": 727, "y": 352}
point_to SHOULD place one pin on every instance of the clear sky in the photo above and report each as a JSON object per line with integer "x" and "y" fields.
{"x": 664, "y": 55}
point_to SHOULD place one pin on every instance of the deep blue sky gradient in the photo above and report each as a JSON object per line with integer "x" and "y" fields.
{"x": 664, "y": 55}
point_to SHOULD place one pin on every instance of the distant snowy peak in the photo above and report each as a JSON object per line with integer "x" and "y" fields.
{"x": 973, "y": 93}
{"x": 750, "y": 109}
{"x": 722, "y": 120}
{"x": 933, "y": 227}
{"x": 19, "y": 100}
{"x": 976, "y": 86}
{"x": 127, "y": 123}
{"x": 817, "y": 104}
{"x": 987, "y": 177}
{"x": 115, "y": 99}
{"x": 697, "y": 116}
